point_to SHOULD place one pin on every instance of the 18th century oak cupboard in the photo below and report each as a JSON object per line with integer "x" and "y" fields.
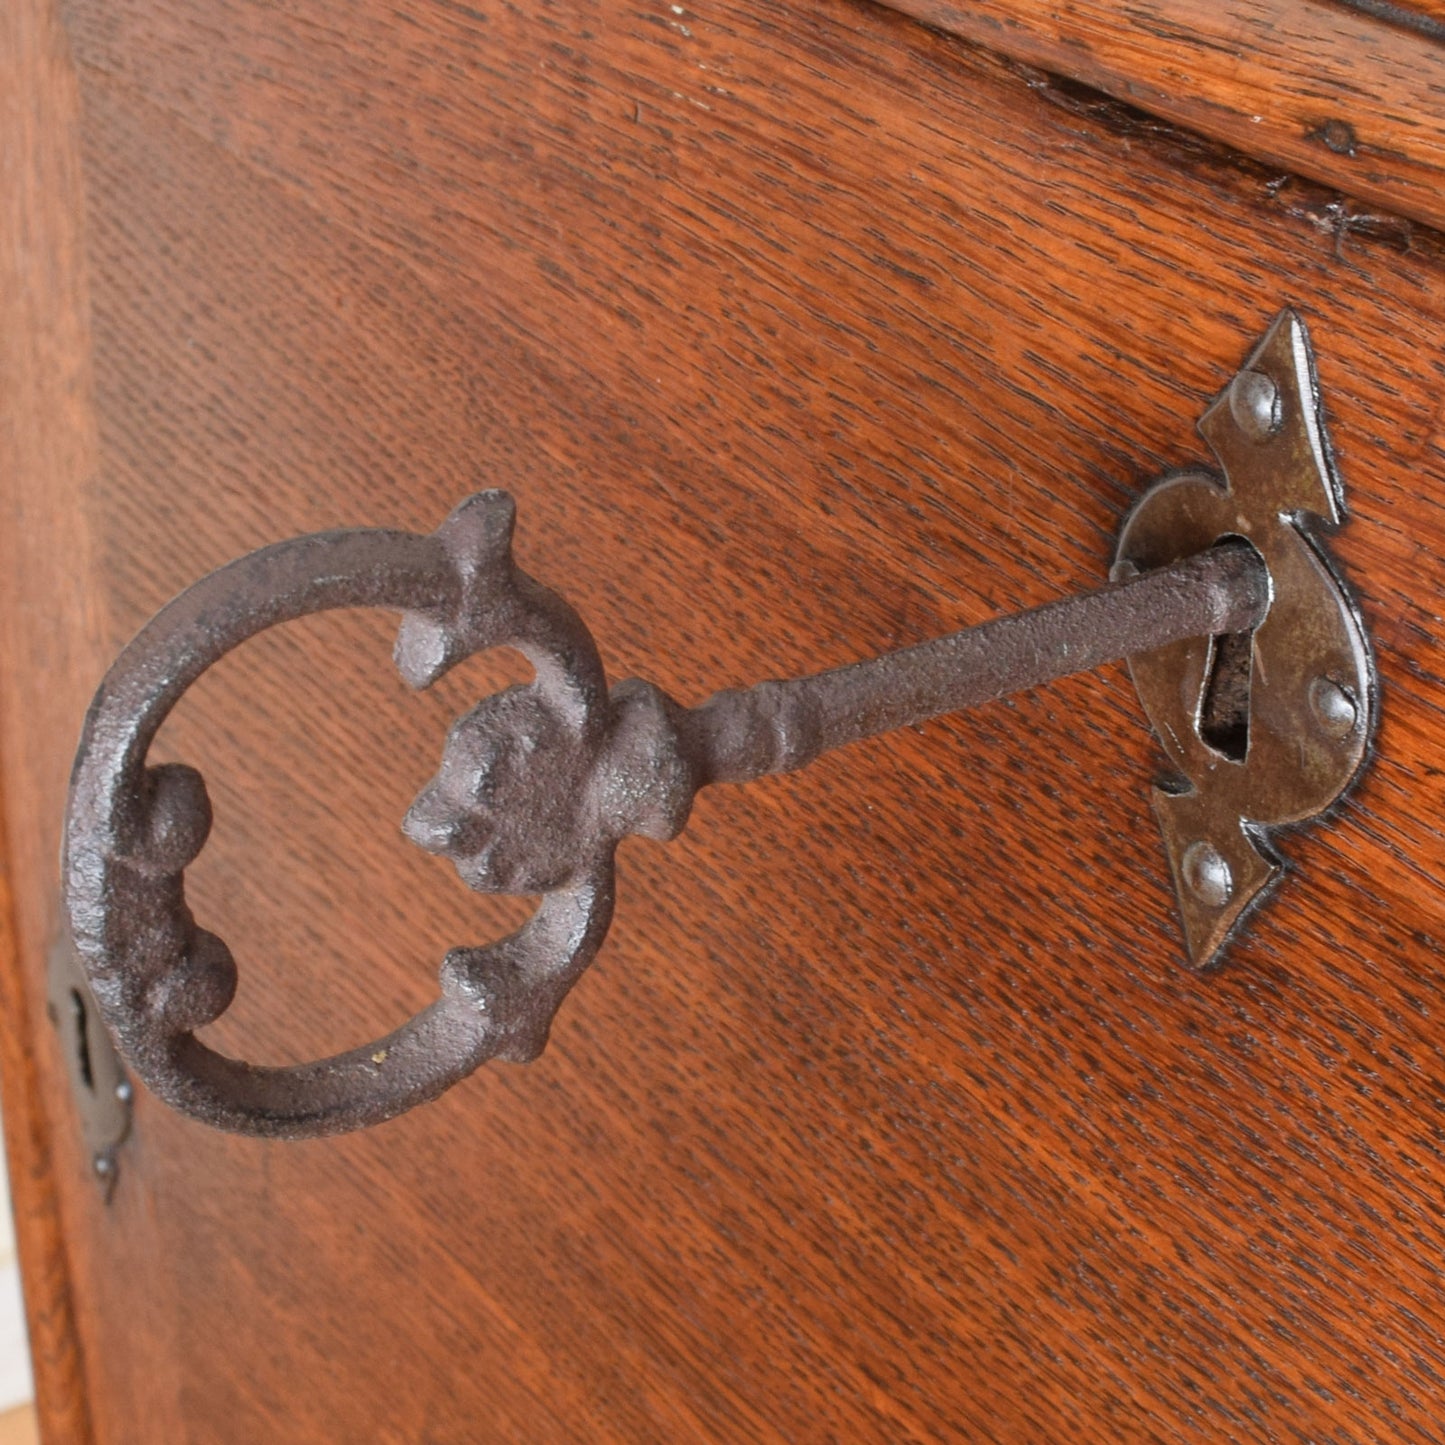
{"x": 798, "y": 332}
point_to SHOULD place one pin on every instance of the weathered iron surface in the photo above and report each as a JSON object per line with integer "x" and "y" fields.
{"x": 1267, "y": 727}
{"x": 537, "y": 784}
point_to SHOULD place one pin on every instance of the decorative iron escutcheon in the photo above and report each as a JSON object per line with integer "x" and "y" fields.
{"x": 1269, "y": 726}
{"x": 1246, "y": 649}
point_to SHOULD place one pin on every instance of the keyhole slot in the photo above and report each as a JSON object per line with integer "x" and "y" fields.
{"x": 81, "y": 1015}
{"x": 1222, "y": 721}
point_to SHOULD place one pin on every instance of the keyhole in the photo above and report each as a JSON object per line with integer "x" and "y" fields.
{"x": 1223, "y": 719}
{"x": 82, "y": 1039}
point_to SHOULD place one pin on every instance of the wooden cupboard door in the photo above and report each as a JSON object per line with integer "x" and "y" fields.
{"x": 888, "y": 1112}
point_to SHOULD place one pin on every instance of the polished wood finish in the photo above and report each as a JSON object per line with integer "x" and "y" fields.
{"x": 888, "y": 1113}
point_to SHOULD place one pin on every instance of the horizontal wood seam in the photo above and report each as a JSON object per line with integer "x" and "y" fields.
{"x": 1334, "y": 95}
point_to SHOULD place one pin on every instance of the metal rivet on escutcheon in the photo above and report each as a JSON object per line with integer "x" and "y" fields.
{"x": 1333, "y": 707}
{"x": 1255, "y": 403}
{"x": 1207, "y": 874}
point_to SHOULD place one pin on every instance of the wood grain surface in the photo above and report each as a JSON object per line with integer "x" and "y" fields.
{"x": 888, "y": 1113}
{"x": 1341, "y": 94}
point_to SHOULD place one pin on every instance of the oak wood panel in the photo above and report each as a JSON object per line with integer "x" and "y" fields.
{"x": 1334, "y": 93}
{"x": 887, "y": 1114}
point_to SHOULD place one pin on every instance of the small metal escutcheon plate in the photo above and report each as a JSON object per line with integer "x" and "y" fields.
{"x": 1267, "y": 728}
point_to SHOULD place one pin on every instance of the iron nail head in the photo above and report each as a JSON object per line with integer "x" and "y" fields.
{"x": 1254, "y": 402}
{"x": 1333, "y": 707}
{"x": 1207, "y": 874}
